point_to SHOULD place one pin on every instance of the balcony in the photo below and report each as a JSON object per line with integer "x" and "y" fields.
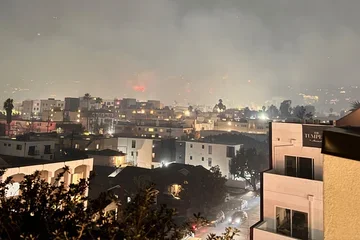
{"x": 295, "y": 186}
{"x": 262, "y": 231}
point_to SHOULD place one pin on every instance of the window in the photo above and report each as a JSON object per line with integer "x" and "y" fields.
{"x": 132, "y": 154}
{"x": 209, "y": 162}
{"x": 210, "y": 149}
{"x": 191, "y": 146}
{"x": 18, "y": 147}
{"x": 133, "y": 144}
{"x": 292, "y": 223}
{"x": 76, "y": 146}
{"x": 230, "y": 152}
{"x": 5, "y": 144}
{"x": 190, "y": 157}
{"x": 202, "y": 158}
{"x": 180, "y": 156}
{"x": 151, "y": 129}
{"x": 137, "y": 153}
{"x": 31, "y": 151}
{"x": 9, "y": 145}
{"x": 301, "y": 167}
{"x": 203, "y": 146}
{"x": 47, "y": 149}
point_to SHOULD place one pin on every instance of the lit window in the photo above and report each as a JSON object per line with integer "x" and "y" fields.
{"x": 151, "y": 129}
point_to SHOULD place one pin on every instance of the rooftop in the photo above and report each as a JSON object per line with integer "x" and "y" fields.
{"x": 342, "y": 142}
{"x": 106, "y": 152}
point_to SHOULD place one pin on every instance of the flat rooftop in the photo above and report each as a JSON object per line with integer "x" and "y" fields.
{"x": 13, "y": 161}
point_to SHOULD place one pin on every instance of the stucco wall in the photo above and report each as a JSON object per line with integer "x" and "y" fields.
{"x": 217, "y": 155}
{"x": 341, "y": 198}
{"x": 296, "y": 194}
{"x": 287, "y": 139}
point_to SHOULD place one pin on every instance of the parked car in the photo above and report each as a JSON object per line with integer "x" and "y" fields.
{"x": 215, "y": 218}
{"x": 238, "y": 217}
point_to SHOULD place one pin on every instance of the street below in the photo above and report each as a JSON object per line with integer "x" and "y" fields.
{"x": 253, "y": 211}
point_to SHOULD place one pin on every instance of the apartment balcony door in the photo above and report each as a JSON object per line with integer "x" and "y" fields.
{"x": 301, "y": 167}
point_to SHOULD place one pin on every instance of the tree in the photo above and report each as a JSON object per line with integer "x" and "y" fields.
{"x": 247, "y": 112}
{"x": 190, "y": 109}
{"x": 303, "y": 113}
{"x": 229, "y": 234}
{"x": 8, "y": 107}
{"x": 355, "y": 105}
{"x": 221, "y": 106}
{"x": 206, "y": 191}
{"x": 285, "y": 108}
{"x": 53, "y": 211}
{"x": 273, "y": 112}
{"x": 98, "y": 101}
{"x": 263, "y": 108}
{"x": 248, "y": 164}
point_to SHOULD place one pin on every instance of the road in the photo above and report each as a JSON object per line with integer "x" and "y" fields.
{"x": 253, "y": 212}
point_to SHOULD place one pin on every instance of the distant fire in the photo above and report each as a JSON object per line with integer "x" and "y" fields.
{"x": 139, "y": 88}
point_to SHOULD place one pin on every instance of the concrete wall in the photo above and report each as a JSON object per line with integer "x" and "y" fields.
{"x": 200, "y": 154}
{"x": 296, "y": 194}
{"x": 341, "y": 198}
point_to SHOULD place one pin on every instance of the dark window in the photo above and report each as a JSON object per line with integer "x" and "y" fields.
{"x": 191, "y": 145}
{"x": 18, "y": 147}
{"x": 292, "y": 223}
{"x": 290, "y": 166}
{"x": 5, "y": 144}
{"x": 190, "y": 157}
{"x": 47, "y": 149}
{"x": 210, "y": 149}
{"x": 209, "y": 162}
{"x": 137, "y": 153}
{"x": 230, "y": 152}
{"x": 31, "y": 151}
{"x": 299, "y": 167}
{"x": 132, "y": 154}
{"x": 133, "y": 143}
{"x": 202, "y": 159}
{"x": 203, "y": 146}
{"x": 305, "y": 168}
{"x": 9, "y": 145}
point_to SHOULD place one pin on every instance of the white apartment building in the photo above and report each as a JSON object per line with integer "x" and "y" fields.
{"x": 27, "y": 149}
{"x": 30, "y": 109}
{"x": 51, "y": 103}
{"x": 210, "y": 154}
{"x": 292, "y": 190}
{"x": 138, "y": 150}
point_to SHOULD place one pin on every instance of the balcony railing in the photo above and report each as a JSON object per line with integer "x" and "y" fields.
{"x": 262, "y": 231}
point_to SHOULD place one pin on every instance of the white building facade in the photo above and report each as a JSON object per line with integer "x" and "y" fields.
{"x": 210, "y": 154}
{"x": 292, "y": 197}
{"x": 28, "y": 149}
{"x": 138, "y": 150}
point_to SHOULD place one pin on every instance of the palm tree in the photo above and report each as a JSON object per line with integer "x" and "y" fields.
{"x": 355, "y": 105}
{"x": 87, "y": 97}
{"x": 98, "y": 100}
{"x": 221, "y": 106}
{"x": 8, "y": 107}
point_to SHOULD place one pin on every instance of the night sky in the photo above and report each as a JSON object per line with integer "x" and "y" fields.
{"x": 191, "y": 51}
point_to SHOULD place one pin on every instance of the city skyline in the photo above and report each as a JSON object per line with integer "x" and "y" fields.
{"x": 199, "y": 52}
